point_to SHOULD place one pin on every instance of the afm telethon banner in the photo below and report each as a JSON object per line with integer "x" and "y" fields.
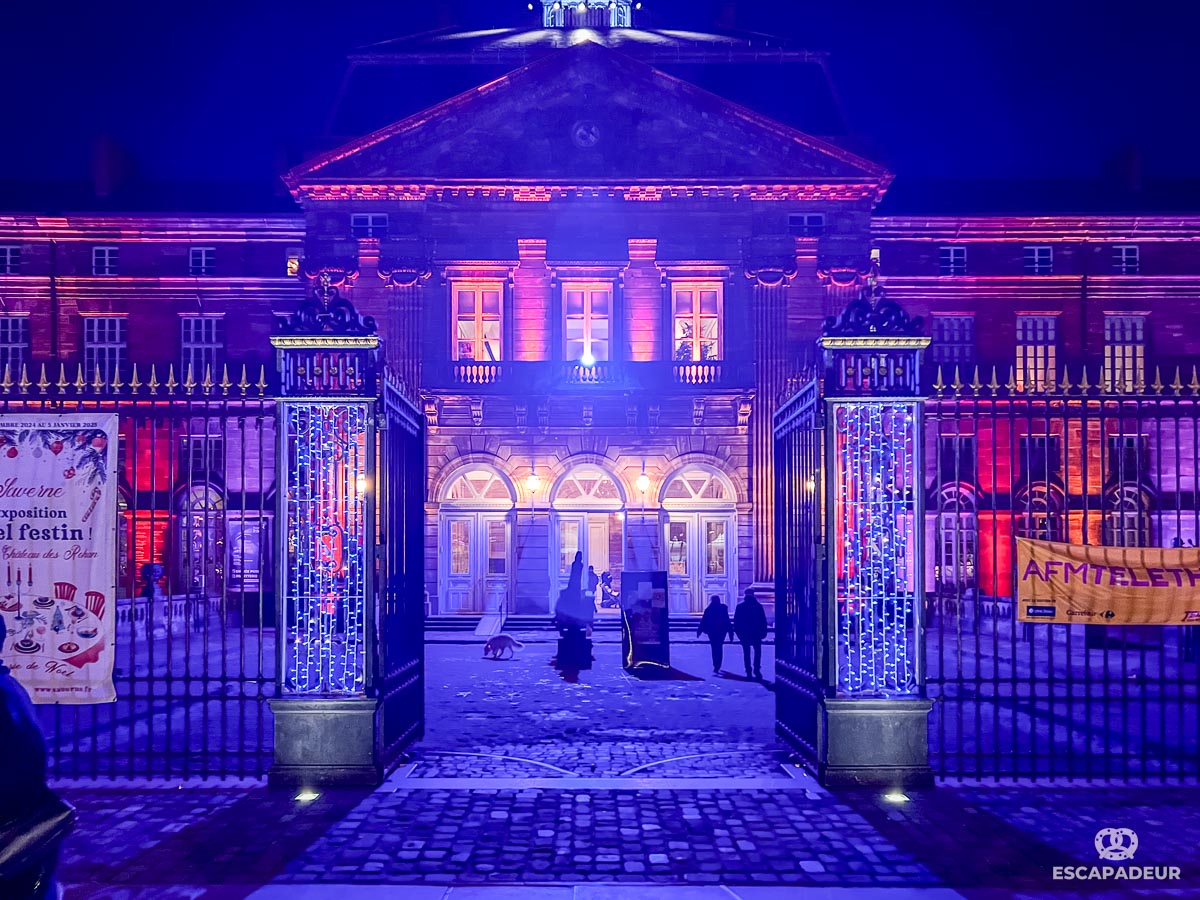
{"x": 58, "y": 530}
{"x": 1075, "y": 584}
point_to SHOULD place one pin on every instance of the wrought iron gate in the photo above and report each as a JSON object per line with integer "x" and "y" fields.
{"x": 195, "y": 650}
{"x": 1092, "y": 462}
{"x": 799, "y": 566}
{"x": 401, "y": 640}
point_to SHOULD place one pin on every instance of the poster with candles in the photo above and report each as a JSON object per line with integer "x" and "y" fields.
{"x": 58, "y": 536}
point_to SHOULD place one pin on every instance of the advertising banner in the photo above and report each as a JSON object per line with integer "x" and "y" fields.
{"x": 58, "y": 535}
{"x": 1073, "y": 584}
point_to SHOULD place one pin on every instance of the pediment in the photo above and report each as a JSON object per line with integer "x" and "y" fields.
{"x": 587, "y": 115}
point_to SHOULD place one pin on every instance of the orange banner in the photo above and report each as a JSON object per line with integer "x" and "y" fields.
{"x": 1073, "y": 584}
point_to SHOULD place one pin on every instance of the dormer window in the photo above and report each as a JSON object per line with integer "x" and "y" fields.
{"x": 587, "y": 13}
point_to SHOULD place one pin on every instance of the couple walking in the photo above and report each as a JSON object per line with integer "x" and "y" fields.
{"x": 749, "y": 624}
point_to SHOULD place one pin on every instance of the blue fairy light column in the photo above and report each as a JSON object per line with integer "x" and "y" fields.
{"x": 874, "y": 714}
{"x": 325, "y": 718}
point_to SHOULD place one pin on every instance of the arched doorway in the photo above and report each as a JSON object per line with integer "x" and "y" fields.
{"x": 588, "y": 516}
{"x": 474, "y": 530}
{"x": 700, "y": 538}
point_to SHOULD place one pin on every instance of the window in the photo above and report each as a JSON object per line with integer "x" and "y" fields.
{"x": 1039, "y": 260}
{"x": 952, "y": 260}
{"x": 104, "y": 260}
{"x": 806, "y": 224}
{"x": 697, "y": 314}
{"x": 201, "y": 455}
{"x": 477, "y": 322}
{"x": 202, "y": 261}
{"x": 294, "y": 255}
{"x": 369, "y": 225}
{"x": 14, "y": 344}
{"x": 586, "y": 309}
{"x": 10, "y": 260}
{"x": 1128, "y": 457}
{"x": 953, "y": 339}
{"x": 1126, "y": 519}
{"x": 103, "y": 346}
{"x": 956, "y": 459}
{"x": 1124, "y": 352}
{"x": 1041, "y": 456}
{"x": 1037, "y": 351}
{"x": 201, "y": 339}
{"x": 1040, "y": 513}
{"x": 1126, "y": 259}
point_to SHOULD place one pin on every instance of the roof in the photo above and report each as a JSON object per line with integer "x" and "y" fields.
{"x": 588, "y": 114}
{"x": 63, "y": 197}
{"x": 1038, "y": 197}
{"x": 394, "y": 79}
{"x": 517, "y": 46}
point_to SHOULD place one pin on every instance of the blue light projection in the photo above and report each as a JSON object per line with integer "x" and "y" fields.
{"x": 875, "y": 541}
{"x": 326, "y": 529}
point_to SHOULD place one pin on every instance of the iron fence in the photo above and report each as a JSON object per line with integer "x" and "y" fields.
{"x": 1082, "y": 460}
{"x": 195, "y": 608}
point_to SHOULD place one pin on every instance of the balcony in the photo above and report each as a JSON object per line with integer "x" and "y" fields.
{"x": 548, "y": 376}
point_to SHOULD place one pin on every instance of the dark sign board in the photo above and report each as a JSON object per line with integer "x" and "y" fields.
{"x": 645, "y": 626}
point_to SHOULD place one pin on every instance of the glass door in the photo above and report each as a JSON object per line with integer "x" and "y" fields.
{"x": 460, "y": 589}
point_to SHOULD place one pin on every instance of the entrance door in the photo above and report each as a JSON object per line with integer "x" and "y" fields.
{"x": 589, "y": 533}
{"x": 474, "y": 555}
{"x": 701, "y": 560}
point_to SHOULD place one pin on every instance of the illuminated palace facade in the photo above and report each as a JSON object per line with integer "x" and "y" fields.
{"x": 597, "y": 279}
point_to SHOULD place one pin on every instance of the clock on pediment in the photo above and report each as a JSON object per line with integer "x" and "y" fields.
{"x": 585, "y": 133}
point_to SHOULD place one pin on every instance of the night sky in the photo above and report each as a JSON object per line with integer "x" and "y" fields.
{"x": 223, "y": 91}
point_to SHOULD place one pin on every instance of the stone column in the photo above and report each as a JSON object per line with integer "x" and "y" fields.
{"x": 769, "y": 308}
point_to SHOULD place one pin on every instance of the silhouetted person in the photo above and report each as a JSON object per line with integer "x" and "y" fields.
{"x": 24, "y": 797}
{"x": 593, "y": 581}
{"x": 750, "y": 623}
{"x": 715, "y": 624}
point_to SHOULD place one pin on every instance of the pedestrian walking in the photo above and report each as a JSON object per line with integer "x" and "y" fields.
{"x": 750, "y": 624}
{"x": 715, "y": 624}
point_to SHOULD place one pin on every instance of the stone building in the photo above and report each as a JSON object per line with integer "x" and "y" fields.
{"x": 596, "y": 269}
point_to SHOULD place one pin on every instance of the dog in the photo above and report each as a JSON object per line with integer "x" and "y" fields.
{"x": 498, "y": 643}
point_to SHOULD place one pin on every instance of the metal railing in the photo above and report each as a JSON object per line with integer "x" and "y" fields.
{"x": 195, "y": 608}
{"x": 1082, "y": 460}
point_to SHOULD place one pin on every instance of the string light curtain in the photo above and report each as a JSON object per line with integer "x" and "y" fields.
{"x": 877, "y": 471}
{"x": 326, "y": 525}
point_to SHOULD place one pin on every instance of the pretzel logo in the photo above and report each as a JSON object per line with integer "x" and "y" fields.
{"x": 1116, "y": 844}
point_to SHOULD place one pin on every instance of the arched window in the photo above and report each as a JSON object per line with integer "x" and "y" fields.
{"x": 1039, "y": 510}
{"x": 696, "y": 486}
{"x": 1126, "y": 517}
{"x": 957, "y": 536}
{"x": 587, "y": 487}
{"x": 479, "y": 487}
{"x": 201, "y": 539}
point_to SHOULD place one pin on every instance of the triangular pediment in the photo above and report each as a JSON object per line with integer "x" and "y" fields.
{"x": 587, "y": 115}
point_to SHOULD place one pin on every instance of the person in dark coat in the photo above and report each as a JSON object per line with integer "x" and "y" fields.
{"x": 750, "y": 623}
{"x": 22, "y": 776}
{"x": 715, "y": 624}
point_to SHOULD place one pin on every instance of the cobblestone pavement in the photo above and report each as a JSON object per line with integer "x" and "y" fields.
{"x": 633, "y": 788}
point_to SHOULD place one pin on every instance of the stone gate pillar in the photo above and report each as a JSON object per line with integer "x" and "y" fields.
{"x": 326, "y": 724}
{"x": 873, "y": 721}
